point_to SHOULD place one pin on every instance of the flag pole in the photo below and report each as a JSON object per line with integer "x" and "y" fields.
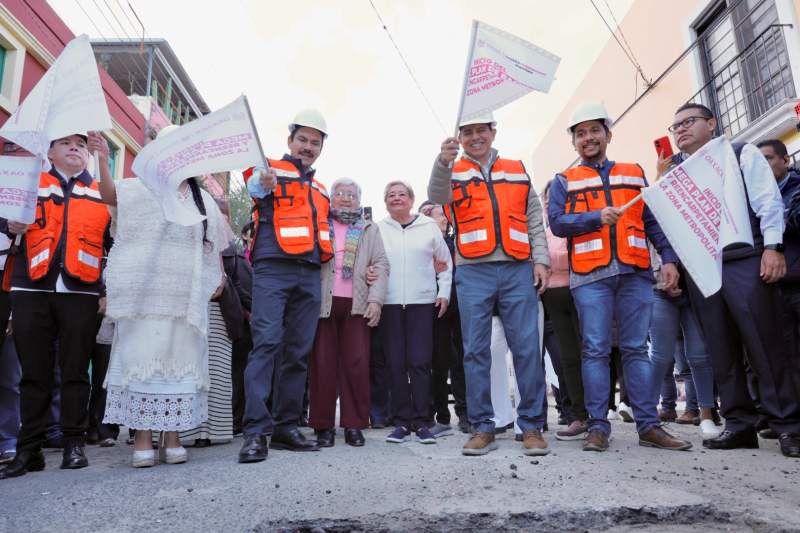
{"x": 466, "y": 74}
{"x": 255, "y": 131}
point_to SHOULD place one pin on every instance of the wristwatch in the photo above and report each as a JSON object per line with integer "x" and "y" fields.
{"x": 779, "y": 247}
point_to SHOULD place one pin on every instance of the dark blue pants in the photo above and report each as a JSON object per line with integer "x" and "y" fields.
{"x": 286, "y": 305}
{"x": 748, "y": 314}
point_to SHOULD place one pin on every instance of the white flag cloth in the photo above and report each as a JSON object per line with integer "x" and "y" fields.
{"x": 701, "y": 207}
{"x": 19, "y": 188}
{"x": 501, "y": 68}
{"x": 220, "y": 141}
{"x": 68, "y": 99}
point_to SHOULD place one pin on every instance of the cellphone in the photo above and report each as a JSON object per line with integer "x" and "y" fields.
{"x": 663, "y": 147}
{"x": 367, "y": 213}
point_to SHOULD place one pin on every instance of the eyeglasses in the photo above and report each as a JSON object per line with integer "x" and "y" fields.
{"x": 345, "y": 195}
{"x": 686, "y": 123}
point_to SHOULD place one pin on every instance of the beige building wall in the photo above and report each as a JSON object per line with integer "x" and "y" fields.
{"x": 658, "y": 32}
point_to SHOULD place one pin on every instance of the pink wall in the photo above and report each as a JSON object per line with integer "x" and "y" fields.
{"x": 657, "y": 32}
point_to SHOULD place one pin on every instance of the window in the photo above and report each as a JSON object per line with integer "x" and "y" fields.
{"x": 2, "y": 65}
{"x": 745, "y": 62}
{"x": 113, "y": 155}
{"x": 12, "y": 60}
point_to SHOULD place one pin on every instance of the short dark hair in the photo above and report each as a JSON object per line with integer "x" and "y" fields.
{"x": 600, "y": 120}
{"x": 777, "y": 146}
{"x": 296, "y": 127}
{"x": 706, "y": 112}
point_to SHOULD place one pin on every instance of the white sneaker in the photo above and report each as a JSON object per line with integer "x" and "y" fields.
{"x": 174, "y": 456}
{"x": 143, "y": 458}
{"x": 625, "y": 412}
{"x": 709, "y": 429}
{"x": 612, "y": 415}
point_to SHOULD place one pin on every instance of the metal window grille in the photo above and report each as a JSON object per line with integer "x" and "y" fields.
{"x": 746, "y": 65}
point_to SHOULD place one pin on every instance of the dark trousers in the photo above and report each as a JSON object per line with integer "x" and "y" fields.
{"x": 101, "y": 355}
{"x": 444, "y": 359}
{"x": 563, "y": 402}
{"x": 41, "y": 319}
{"x": 407, "y": 334}
{"x": 617, "y": 377}
{"x": 9, "y": 381}
{"x": 379, "y": 411}
{"x": 241, "y": 349}
{"x": 749, "y": 315}
{"x": 561, "y": 311}
{"x": 286, "y": 301}
{"x": 340, "y": 363}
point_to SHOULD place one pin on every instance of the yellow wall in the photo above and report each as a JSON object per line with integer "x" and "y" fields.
{"x": 658, "y": 33}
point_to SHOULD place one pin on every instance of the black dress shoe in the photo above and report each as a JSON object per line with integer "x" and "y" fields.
{"x": 730, "y": 440}
{"x": 292, "y": 440}
{"x": 353, "y": 437}
{"x": 24, "y": 462}
{"x": 326, "y": 438}
{"x": 768, "y": 433}
{"x": 790, "y": 444}
{"x": 254, "y": 449}
{"x": 202, "y": 443}
{"x": 74, "y": 457}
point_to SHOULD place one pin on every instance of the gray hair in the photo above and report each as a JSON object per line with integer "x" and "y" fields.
{"x": 391, "y": 184}
{"x": 346, "y": 181}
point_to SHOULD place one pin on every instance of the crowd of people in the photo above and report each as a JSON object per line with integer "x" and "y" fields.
{"x": 122, "y": 316}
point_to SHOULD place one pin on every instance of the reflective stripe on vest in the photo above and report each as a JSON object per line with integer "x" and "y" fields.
{"x": 300, "y": 212}
{"x": 492, "y": 212}
{"x": 86, "y": 219}
{"x": 586, "y": 193}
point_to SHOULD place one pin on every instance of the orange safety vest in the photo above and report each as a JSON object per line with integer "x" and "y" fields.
{"x": 586, "y": 192}
{"x": 300, "y": 214}
{"x": 483, "y": 208}
{"x": 80, "y": 219}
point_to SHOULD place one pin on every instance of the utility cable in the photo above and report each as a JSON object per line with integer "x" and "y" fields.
{"x": 408, "y": 67}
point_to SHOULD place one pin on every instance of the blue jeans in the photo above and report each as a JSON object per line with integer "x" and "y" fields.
{"x": 670, "y": 317}
{"x": 628, "y": 298}
{"x": 669, "y": 392}
{"x": 509, "y": 286}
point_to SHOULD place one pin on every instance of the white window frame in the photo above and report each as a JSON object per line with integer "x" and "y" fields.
{"x": 12, "y": 69}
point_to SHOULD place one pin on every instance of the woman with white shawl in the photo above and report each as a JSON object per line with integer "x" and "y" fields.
{"x": 160, "y": 277}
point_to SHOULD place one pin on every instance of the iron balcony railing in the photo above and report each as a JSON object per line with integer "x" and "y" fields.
{"x": 751, "y": 83}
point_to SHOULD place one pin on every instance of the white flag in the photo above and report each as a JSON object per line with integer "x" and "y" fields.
{"x": 702, "y": 208}
{"x": 68, "y": 99}
{"x": 501, "y": 68}
{"x": 220, "y": 141}
{"x": 19, "y": 188}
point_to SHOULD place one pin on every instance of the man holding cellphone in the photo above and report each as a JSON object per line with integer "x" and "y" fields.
{"x": 610, "y": 276}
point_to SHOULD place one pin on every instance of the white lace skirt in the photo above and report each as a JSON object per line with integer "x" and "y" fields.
{"x": 160, "y": 403}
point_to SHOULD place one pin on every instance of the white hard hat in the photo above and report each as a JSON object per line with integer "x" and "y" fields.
{"x": 309, "y": 118}
{"x": 589, "y": 111}
{"x": 166, "y": 130}
{"x": 487, "y": 118}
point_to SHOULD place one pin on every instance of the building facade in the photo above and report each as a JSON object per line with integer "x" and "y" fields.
{"x": 31, "y": 37}
{"x": 741, "y": 58}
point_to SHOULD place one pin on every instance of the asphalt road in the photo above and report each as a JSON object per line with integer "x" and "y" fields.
{"x": 411, "y": 486}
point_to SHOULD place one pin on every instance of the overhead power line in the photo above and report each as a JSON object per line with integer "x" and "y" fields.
{"x": 408, "y": 67}
{"x": 628, "y": 54}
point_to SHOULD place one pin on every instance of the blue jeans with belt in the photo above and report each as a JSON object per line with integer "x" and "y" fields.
{"x": 670, "y": 317}
{"x": 628, "y": 298}
{"x": 509, "y": 286}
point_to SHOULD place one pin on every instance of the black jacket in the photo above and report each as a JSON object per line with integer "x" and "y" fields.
{"x": 236, "y": 298}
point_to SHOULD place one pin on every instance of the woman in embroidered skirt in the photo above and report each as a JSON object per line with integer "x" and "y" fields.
{"x": 159, "y": 279}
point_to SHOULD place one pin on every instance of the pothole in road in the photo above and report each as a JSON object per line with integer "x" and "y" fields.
{"x": 618, "y": 520}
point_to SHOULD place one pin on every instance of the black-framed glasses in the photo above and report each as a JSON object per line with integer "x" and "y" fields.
{"x": 685, "y": 123}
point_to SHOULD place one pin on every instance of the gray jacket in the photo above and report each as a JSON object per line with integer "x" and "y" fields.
{"x": 370, "y": 252}
{"x": 441, "y": 192}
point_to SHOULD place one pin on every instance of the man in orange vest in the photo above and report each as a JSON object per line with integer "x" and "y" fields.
{"x": 55, "y": 297}
{"x": 291, "y": 240}
{"x": 610, "y": 275}
{"x": 501, "y": 256}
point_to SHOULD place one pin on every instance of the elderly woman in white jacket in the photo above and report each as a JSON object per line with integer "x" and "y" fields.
{"x": 415, "y": 295}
